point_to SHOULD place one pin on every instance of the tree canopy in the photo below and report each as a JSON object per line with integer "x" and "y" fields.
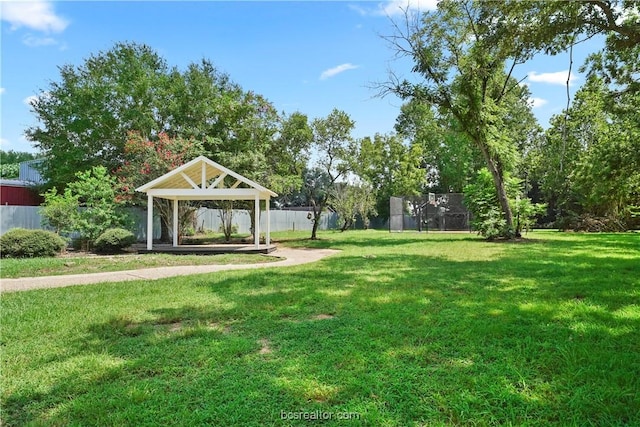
{"x": 465, "y": 118}
{"x": 462, "y": 68}
{"x": 333, "y": 142}
{"x": 86, "y": 117}
{"x": 465, "y": 56}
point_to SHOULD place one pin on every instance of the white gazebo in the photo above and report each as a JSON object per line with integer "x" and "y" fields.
{"x": 203, "y": 179}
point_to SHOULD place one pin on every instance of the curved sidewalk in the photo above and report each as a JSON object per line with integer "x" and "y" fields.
{"x": 292, "y": 257}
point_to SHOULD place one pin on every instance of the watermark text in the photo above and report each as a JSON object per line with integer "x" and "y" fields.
{"x": 318, "y": 415}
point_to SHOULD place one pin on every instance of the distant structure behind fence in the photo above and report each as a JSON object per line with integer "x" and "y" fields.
{"x": 433, "y": 212}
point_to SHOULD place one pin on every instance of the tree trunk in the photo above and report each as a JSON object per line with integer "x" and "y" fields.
{"x": 165, "y": 233}
{"x": 498, "y": 181}
{"x": 226, "y": 218}
{"x": 316, "y": 223}
{"x": 317, "y": 211}
{"x": 347, "y": 224}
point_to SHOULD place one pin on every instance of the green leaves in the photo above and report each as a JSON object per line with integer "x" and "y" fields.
{"x": 11, "y": 170}
{"x": 588, "y": 164}
{"x": 331, "y": 137}
{"x": 88, "y": 205}
{"x": 95, "y": 191}
{"x": 482, "y": 200}
{"x": 59, "y": 210}
{"x": 85, "y": 116}
{"x": 10, "y": 162}
{"x": 460, "y": 53}
{"x": 351, "y": 201}
{"x": 391, "y": 167}
{"x": 333, "y": 144}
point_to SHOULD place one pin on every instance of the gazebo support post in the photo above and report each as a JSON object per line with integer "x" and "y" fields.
{"x": 256, "y": 232}
{"x": 175, "y": 223}
{"x": 268, "y": 219}
{"x": 149, "y": 222}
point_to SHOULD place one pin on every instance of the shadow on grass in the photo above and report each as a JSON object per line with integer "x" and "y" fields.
{"x": 333, "y": 240}
{"x": 545, "y": 333}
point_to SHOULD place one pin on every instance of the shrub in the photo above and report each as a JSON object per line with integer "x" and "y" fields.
{"x": 59, "y": 210}
{"x": 88, "y": 206}
{"x": 114, "y": 240}
{"x": 22, "y": 243}
{"x": 232, "y": 230}
{"x": 481, "y": 199}
{"x": 525, "y": 213}
{"x": 492, "y": 225}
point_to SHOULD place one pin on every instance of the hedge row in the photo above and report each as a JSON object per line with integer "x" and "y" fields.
{"x": 23, "y": 243}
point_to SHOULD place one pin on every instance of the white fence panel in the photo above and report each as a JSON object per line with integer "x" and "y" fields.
{"x": 206, "y": 219}
{"x": 209, "y": 219}
{"x": 19, "y": 217}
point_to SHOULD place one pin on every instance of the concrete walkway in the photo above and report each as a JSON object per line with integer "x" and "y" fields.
{"x": 292, "y": 257}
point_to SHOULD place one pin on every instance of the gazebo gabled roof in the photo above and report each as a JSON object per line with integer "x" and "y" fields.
{"x": 204, "y": 179}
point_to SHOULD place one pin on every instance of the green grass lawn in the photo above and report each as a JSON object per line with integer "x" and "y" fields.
{"x": 396, "y": 330}
{"x": 34, "y": 267}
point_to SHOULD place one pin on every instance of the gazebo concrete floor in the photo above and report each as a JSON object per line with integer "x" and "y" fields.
{"x": 206, "y": 249}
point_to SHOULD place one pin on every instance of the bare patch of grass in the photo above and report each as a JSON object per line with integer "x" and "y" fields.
{"x": 265, "y": 346}
{"x": 322, "y": 316}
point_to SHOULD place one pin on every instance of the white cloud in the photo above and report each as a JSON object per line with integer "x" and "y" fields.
{"x": 29, "y": 100}
{"x": 36, "y": 15}
{"x": 2, "y": 90}
{"x": 33, "y": 41}
{"x": 537, "y": 102}
{"x": 4, "y": 143}
{"x": 337, "y": 70}
{"x": 631, "y": 12}
{"x": 396, "y": 7}
{"x": 557, "y": 78}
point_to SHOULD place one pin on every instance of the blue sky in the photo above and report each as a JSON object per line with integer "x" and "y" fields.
{"x": 303, "y": 56}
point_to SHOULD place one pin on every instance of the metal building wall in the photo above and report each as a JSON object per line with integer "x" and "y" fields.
{"x": 29, "y": 171}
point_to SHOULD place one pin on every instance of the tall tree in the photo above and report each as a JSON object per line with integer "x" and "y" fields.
{"x": 462, "y": 66}
{"x": 245, "y": 144}
{"x": 391, "y": 167}
{"x": 556, "y": 26}
{"x": 202, "y": 104}
{"x": 353, "y": 200}
{"x": 332, "y": 141}
{"x": 85, "y": 117}
{"x": 588, "y": 163}
{"x": 449, "y": 158}
{"x": 289, "y": 153}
